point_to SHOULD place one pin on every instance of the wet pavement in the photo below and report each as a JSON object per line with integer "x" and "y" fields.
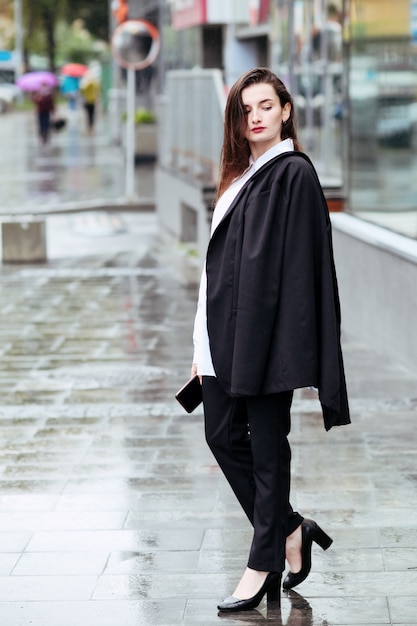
{"x": 73, "y": 168}
{"x": 112, "y": 510}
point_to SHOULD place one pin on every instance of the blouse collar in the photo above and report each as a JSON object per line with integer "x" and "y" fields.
{"x": 287, "y": 145}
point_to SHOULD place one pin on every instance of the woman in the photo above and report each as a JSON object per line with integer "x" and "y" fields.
{"x": 267, "y": 322}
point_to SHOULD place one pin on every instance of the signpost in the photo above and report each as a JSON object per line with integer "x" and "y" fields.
{"x": 135, "y": 45}
{"x": 18, "y": 25}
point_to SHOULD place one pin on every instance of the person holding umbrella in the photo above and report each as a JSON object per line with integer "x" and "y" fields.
{"x": 71, "y": 74}
{"x": 45, "y": 107}
{"x": 40, "y": 84}
{"x": 69, "y": 88}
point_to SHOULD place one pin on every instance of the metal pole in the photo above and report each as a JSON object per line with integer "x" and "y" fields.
{"x": 347, "y": 166}
{"x": 292, "y": 52}
{"x": 309, "y": 77}
{"x": 161, "y": 57}
{"x": 327, "y": 136}
{"x": 18, "y": 25}
{"x": 130, "y": 135}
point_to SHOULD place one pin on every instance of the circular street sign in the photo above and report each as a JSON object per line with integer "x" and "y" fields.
{"x": 135, "y": 44}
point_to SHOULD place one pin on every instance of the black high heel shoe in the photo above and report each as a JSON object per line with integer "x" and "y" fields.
{"x": 310, "y": 532}
{"x": 271, "y": 588}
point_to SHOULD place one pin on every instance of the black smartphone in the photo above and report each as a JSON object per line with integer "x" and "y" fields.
{"x": 190, "y": 394}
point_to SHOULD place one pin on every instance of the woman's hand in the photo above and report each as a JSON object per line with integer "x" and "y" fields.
{"x": 194, "y": 372}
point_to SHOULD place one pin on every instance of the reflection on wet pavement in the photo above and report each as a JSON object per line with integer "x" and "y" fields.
{"x": 294, "y": 611}
{"x": 73, "y": 167}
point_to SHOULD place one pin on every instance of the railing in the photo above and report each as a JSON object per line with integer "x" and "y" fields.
{"x": 190, "y": 123}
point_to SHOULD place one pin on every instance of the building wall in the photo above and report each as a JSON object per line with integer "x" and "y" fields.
{"x": 178, "y": 201}
{"x": 227, "y": 11}
{"x": 377, "y": 275}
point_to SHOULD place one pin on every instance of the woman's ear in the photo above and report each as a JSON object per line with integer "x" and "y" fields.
{"x": 286, "y": 112}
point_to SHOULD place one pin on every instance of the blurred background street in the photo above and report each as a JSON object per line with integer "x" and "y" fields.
{"x": 74, "y": 167}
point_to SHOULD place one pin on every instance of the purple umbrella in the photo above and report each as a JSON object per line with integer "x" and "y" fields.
{"x": 32, "y": 81}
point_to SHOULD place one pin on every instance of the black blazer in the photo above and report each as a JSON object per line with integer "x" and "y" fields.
{"x": 273, "y": 312}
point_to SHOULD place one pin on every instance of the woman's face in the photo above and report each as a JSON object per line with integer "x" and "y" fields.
{"x": 265, "y": 116}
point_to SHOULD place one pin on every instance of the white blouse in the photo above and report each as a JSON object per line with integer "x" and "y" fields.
{"x": 202, "y": 355}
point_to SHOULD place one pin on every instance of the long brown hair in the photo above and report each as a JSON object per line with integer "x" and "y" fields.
{"x": 235, "y": 151}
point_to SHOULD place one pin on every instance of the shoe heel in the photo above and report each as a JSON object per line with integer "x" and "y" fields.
{"x": 322, "y": 539}
{"x": 273, "y": 595}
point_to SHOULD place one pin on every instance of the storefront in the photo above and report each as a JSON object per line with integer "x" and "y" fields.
{"x": 307, "y": 51}
{"x": 351, "y": 66}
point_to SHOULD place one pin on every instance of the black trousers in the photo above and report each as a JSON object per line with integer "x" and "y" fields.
{"x": 249, "y": 439}
{"x": 44, "y": 123}
{"x": 90, "y": 107}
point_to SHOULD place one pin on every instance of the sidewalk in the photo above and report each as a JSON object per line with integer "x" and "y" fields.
{"x": 73, "y": 168}
{"x": 112, "y": 509}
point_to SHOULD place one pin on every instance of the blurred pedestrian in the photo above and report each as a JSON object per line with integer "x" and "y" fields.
{"x": 45, "y": 107}
{"x": 70, "y": 86}
{"x": 267, "y": 322}
{"x": 90, "y": 92}
{"x": 332, "y": 34}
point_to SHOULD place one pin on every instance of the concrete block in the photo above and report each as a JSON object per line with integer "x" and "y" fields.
{"x": 24, "y": 242}
{"x": 146, "y": 139}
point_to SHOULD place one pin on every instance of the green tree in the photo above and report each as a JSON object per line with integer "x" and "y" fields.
{"x": 42, "y": 18}
{"x": 76, "y": 44}
{"x": 6, "y": 25}
{"x": 94, "y": 14}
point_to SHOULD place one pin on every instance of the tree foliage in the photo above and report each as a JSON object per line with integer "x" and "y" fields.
{"x": 43, "y": 17}
{"x": 40, "y": 21}
{"x": 94, "y": 14}
{"x": 6, "y": 25}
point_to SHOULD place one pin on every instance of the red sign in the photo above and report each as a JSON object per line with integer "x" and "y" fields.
{"x": 187, "y": 13}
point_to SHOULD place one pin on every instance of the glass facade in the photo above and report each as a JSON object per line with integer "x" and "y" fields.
{"x": 352, "y": 67}
{"x": 307, "y": 53}
{"x": 383, "y": 113}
